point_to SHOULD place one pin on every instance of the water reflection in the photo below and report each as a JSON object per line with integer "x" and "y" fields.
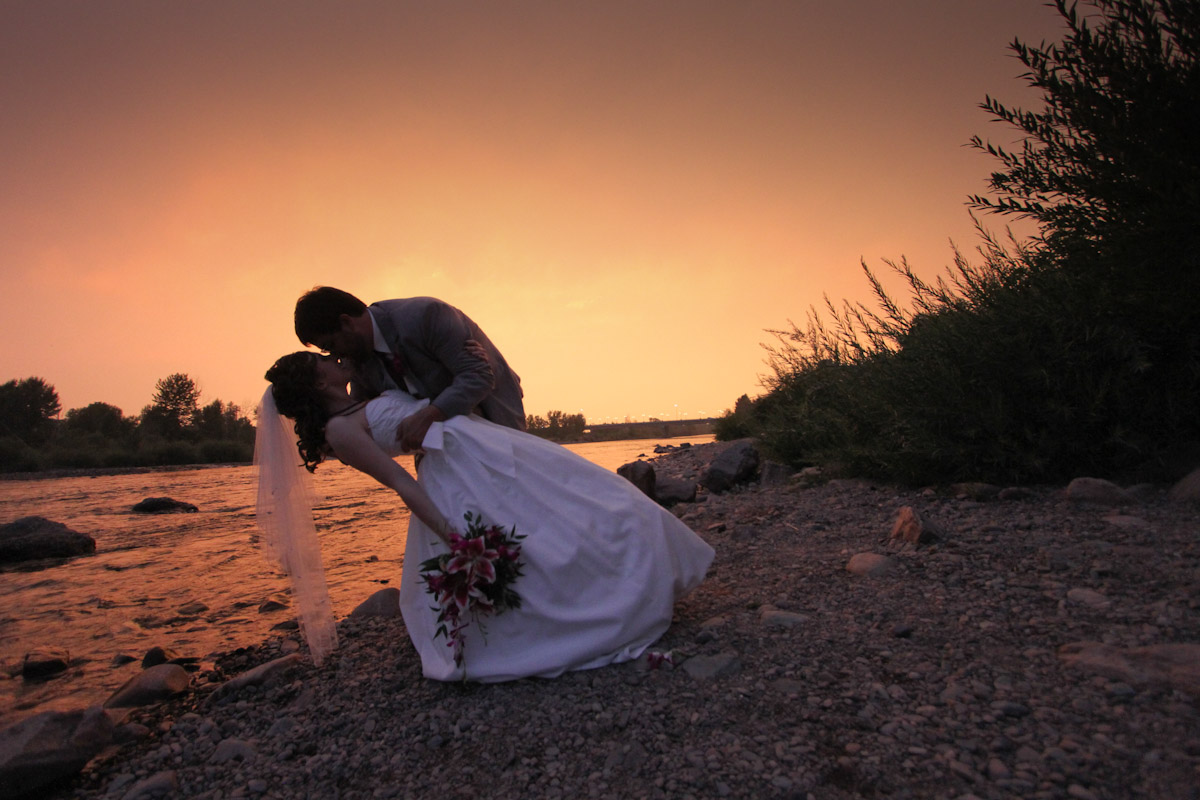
{"x": 191, "y": 583}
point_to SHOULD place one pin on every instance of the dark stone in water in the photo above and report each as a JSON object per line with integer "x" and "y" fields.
{"x": 37, "y": 537}
{"x": 44, "y": 663}
{"x": 164, "y": 505}
{"x": 158, "y": 655}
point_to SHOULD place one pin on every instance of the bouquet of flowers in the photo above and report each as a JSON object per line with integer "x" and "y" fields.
{"x": 474, "y": 579}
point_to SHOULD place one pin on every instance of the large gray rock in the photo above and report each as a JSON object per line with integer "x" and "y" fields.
{"x": 384, "y": 603}
{"x": 736, "y": 464}
{"x": 150, "y": 686}
{"x": 669, "y": 491}
{"x": 1097, "y": 491}
{"x": 1187, "y": 490}
{"x": 37, "y": 537}
{"x": 640, "y": 474}
{"x": 50, "y": 747}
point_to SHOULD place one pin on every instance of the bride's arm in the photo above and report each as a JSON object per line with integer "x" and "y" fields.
{"x": 353, "y": 445}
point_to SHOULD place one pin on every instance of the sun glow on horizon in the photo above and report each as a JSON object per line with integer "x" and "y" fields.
{"x": 623, "y": 203}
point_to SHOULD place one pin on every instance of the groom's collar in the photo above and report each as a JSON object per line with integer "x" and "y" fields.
{"x": 380, "y": 344}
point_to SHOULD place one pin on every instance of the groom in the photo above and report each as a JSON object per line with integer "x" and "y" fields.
{"x": 420, "y": 345}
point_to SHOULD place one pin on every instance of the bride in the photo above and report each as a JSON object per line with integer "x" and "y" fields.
{"x": 603, "y": 564}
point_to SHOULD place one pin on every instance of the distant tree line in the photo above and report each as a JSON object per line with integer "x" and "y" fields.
{"x": 173, "y": 429}
{"x": 557, "y": 426}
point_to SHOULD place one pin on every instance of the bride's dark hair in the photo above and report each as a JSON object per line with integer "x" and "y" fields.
{"x": 293, "y": 382}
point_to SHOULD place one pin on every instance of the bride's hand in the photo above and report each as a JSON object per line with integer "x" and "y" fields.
{"x": 410, "y": 433}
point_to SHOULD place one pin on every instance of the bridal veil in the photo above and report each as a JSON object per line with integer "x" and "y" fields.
{"x": 285, "y": 520}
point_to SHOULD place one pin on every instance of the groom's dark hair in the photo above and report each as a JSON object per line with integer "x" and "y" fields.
{"x": 319, "y": 310}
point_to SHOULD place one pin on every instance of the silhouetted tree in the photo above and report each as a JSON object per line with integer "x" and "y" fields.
{"x": 173, "y": 408}
{"x": 1108, "y": 168}
{"x": 100, "y": 419}
{"x": 27, "y": 409}
{"x": 223, "y": 421}
{"x": 556, "y": 425}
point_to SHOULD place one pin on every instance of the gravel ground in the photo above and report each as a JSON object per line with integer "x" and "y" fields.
{"x": 792, "y": 677}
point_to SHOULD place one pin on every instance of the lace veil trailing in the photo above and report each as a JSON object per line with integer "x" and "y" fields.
{"x": 285, "y": 520}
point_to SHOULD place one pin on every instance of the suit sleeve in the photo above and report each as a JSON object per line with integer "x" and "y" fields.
{"x": 446, "y": 331}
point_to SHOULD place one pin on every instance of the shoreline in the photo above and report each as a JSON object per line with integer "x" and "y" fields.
{"x": 944, "y": 677}
{"x": 99, "y": 472}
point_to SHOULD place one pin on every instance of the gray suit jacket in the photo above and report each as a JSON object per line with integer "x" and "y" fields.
{"x": 430, "y": 337}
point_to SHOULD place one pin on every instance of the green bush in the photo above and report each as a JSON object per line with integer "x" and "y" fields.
{"x": 1078, "y": 354}
{"x": 16, "y": 456}
{"x": 1002, "y": 372}
{"x": 161, "y": 452}
{"x": 225, "y": 452}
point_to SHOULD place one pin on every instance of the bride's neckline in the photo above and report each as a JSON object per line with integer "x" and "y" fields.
{"x": 350, "y": 409}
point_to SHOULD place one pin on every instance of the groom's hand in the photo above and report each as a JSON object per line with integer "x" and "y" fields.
{"x": 411, "y": 431}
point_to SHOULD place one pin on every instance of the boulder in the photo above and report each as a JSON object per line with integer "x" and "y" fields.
{"x": 1097, "y": 491}
{"x": 384, "y": 603}
{"x": 1187, "y": 490}
{"x": 640, "y": 474}
{"x": 150, "y": 686}
{"x": 49, "y": 748}
{"x": 911, "y": 528}
{"x": 736, "y": 464}
{"x": 44, "y": 663}
{"x": 669, "y": 491}
{"x": 37, "y": 537}
{"x": 163, "y": 505}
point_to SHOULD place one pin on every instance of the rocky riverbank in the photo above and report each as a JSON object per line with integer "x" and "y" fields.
{"x": 952, "y": 668}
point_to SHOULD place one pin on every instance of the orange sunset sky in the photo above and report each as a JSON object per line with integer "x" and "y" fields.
{"x": 623, "y": 194}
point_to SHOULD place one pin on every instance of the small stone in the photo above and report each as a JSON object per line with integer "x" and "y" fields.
{"x": 231, "y": 750}
{"x": 158, "y": 655}
{"x": 870, "y": 565}
{"x": 160, "y": 784}
{"x": 709, "y": 667}
{"x": 774, "y": 618}
{"x": 1089, "y": 598}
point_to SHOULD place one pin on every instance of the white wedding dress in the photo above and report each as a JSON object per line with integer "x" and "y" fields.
{"x": 604, "y": 564}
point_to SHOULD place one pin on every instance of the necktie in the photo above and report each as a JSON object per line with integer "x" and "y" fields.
{"x": 395, "y": 369}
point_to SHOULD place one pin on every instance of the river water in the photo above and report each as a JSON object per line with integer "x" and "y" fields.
{"x": 191, "y": 583}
